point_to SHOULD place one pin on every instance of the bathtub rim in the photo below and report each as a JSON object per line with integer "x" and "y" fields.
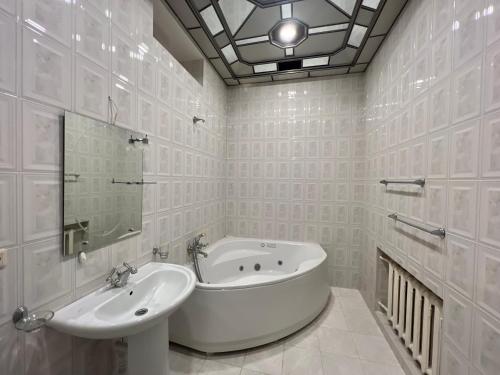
{"x": 293, "y": 275}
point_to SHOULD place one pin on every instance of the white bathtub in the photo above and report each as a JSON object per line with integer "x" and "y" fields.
{"x": 239, "y": 307}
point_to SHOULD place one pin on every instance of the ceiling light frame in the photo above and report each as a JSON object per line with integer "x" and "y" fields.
{"x": 301, "y": 28}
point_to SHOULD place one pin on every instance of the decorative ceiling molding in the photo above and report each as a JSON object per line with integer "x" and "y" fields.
{"x": 264, "y": 40}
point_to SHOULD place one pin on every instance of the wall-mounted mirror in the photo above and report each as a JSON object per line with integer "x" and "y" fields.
{"x": 102, "y": 184}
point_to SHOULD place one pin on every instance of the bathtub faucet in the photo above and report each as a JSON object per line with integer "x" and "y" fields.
{"x": 195, "y": 246}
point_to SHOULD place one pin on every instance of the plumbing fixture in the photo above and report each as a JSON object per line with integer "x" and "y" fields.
{"x": 118, "y": 277}
{"x": 194, "y": 249}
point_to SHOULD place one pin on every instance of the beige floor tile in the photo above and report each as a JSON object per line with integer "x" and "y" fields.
{"x": 306, "y": 338}
{"x": 268, "y": 359}
{"x": 184, "y": 363}
{"x": 336, "y": 341}
{"x": 232, "y": 358}
{"x": 333, "y": 317}
{"x": 353, "y": 302}
{"x": 361, "y": 321}
{"x": 298, "y": 361}
{"x": 251, "y": 372}
{"x": 371, "y": 368}
{"x": 334, "y": 364}
{"x": 217, "y": 368}
{"x": 374, "y": 349}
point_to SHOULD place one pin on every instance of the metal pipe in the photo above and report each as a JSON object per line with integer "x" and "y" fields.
{"x": 420, "y": 182}
{"x": 439, "y": 232}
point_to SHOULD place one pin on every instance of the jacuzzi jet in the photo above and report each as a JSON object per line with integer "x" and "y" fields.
{"x": 141, "y": 312}
{"x": 242, "y": 268}
{"x": 257, "y": 267}
{"x": 280, "y": 262}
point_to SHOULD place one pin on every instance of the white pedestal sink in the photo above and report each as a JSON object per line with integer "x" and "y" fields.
{"x": 138, "y": 311}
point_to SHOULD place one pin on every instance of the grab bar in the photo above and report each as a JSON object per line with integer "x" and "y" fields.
{"x": 440, "y": 232}
{"x": 142, "y": 182}
{"x": 420, "y": 182}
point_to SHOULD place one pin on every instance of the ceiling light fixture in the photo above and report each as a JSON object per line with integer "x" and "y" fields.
{"x": 288, "y": 33}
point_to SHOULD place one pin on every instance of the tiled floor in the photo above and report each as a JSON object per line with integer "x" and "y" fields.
{"x": 343, "y": 340}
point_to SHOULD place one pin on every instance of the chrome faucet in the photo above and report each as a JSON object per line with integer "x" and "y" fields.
{"x": 118, "y": 277}
{"x": 195, "y": 246}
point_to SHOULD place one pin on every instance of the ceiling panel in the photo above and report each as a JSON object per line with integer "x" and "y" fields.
{"x": 344, "y": 57}
{"x": 206, "y": 46}
{"x": 370, "y": 49}
{"x": 317, "y": 13}
{"x": 391, "y": 10}
{"x": 221, "y": 68}
{"x": 329, "y": 72}
{"x": 259, "y": 23}
{"x": 255, "y": 53}
{"x": 320, "y": 44}
{"x": 346, "y": 33}
{"x": 287, "y": 76}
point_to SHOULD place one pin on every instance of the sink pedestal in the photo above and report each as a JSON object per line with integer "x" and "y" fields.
{"x": 148, "y": 351}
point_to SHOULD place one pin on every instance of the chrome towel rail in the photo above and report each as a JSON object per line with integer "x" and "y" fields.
{"x": 420, "y": 182}
{"x": 142, "y": 182}
{"x": 440, "y": 232}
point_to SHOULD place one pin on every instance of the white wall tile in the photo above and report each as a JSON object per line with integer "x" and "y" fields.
{"x": 490, "y": 146}
{"x": 51, "y": 17}
{"x": 46, "y": 69}
{"x": 8, "y": 133}
{"x": 460, "y": 269}
{"x": 462, "y": 205}
{"x": 95, "y": 268}
{"x": 92, "y": 33}
{"x": 466, "y": 92}
{"x": 123, "y": 56}
{"x": 488, "y": 280}
{"x": 42, "y": 135}
{"x": 486, "y": 334}
{"x": 464, "y": 151}
{"x": 489, "y": 213}
{"x": 11, "y": 350}
{"x": 124, "y": 96}
{"x": 8, "y": 287}
{"x": 8, "y": 51}
{"x": 458, "y": 323}
{"x": 41, "y": 206}
{"x": 468, "y": 32}
{"x": 91, "y": 89}
{"x": 47, "y": 277}
{"x": 124, "y": 15}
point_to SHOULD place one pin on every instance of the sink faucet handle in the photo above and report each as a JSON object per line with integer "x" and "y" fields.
{"x": 132, "y": 269}
{"x": 111, "y": 273}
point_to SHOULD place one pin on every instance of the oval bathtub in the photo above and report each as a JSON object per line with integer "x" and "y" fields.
{"x": 254, "y": 292}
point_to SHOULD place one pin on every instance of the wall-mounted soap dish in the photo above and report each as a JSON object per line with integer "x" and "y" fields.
{"x": 30, "y": 322}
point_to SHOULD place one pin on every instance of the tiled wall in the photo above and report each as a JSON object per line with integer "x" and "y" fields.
{"x": 432, "y": 111}
{"x": 58, "y": 55}
{"x": 296, "y": 164}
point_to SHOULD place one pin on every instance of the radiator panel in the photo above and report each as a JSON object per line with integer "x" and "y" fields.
{"x": 415, "y": 313}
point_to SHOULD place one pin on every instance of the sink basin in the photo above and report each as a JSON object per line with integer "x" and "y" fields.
{"x": 138, "y": 311}
{"x": 150, "y": 296}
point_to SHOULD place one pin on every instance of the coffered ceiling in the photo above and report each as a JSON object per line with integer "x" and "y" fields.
{"x": 250, "y": 41}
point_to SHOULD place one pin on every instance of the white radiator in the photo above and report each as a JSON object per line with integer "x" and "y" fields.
{"x": 415, "y": 315}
